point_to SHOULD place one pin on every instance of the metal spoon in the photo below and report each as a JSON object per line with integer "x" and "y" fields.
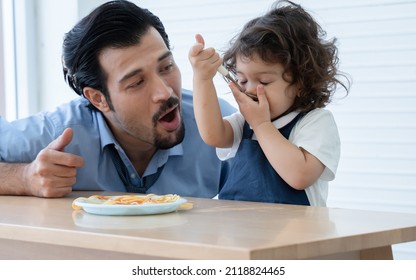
{"x": 223, "y": 71}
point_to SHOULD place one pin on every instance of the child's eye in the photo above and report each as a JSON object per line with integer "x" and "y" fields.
{"x": 264, "y": 83}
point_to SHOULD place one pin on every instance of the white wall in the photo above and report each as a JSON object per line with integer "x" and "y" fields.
{"x": 378, "y": 164}
{"x": 377, "y": 43}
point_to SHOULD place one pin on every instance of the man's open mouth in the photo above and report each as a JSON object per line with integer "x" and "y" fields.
{"x": 171, "y": 119}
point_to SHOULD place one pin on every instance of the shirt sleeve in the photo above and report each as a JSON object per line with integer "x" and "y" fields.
{"x": 236, "y": 121}
{"x": 318, "y": 134}
{"x": 21, "y": 140}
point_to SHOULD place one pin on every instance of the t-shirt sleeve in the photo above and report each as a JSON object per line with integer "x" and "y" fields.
{"x": 318, "y": 134}
{"x": 236, "y": 121}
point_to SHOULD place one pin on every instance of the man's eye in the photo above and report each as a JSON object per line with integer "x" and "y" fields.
{"x": 168, "y": 67}
{"x": 136, "y": 84}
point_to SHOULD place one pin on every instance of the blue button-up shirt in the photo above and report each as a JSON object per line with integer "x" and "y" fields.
{"x": 191, "y": 168}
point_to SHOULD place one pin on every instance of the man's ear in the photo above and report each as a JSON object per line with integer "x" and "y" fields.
{"x": 96, "y": 98}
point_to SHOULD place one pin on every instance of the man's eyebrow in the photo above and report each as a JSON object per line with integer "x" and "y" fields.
{"x": 165, "y": 55}
{"x": 129, "y": 75}
{"x": 137, "y": 71}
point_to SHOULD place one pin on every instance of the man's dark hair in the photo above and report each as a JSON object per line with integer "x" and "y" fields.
{"x": 115, "y": 24}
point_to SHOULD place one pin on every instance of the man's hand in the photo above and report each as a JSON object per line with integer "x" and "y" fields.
{"x": 54, "y": 171}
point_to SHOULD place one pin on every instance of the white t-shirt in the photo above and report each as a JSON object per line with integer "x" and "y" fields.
{"x": 316, "y": 132}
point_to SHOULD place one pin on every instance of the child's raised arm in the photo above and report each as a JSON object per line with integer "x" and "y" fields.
{"x": 212, "y": 128}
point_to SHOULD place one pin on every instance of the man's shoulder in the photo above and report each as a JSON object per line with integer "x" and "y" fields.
{"x": 75, "y": 110}
{"x": 79, "y": 104}
{"x": 75, "y": 113}
{"x": 187, "y": 99}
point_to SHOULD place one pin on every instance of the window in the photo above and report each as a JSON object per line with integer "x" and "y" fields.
{"x": 19, "y": 55}
{"x": 4, "y": 28}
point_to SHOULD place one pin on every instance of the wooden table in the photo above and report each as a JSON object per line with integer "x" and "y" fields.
{"x": 37, "y": 228}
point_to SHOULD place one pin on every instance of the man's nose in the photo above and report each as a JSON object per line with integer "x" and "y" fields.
{"x": 161, "y": 89}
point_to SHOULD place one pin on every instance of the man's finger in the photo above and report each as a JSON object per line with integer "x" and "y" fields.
{"x": 62, "y": 141}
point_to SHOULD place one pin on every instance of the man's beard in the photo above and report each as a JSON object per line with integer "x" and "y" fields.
{"x": 167, "y": 143}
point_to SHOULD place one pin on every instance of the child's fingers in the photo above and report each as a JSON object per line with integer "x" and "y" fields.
{"x": 261, "y": 93}
{"x": 200, "y": 40}
{"x": 236, "y": 91}
{"x": 234, "y": 88}
{"x": 198, "y": 47}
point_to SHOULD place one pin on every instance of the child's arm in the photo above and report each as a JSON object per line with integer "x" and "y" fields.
{"x": 212, "y": 128}
{"x": 295, "y": 165}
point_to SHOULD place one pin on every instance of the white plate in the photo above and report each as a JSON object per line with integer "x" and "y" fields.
{"x": 129, "y": 210}
{"x": 87, "y": 220}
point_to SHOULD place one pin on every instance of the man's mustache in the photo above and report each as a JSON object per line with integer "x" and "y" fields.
{"x": 166, "y": 106}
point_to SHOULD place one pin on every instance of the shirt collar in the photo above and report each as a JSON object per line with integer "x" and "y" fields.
{"x": 284, "y": 120}
{"x": 106, "y": 136}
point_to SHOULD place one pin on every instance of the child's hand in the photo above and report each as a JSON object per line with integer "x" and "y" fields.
{"x": 254, "y": 112}
{"x": 205, "y": 62}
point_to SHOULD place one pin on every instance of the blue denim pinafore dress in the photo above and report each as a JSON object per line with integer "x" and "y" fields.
{"x": 252, "y": 178}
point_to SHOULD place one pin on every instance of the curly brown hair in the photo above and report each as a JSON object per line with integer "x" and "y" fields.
{"x": 288, "y": 35}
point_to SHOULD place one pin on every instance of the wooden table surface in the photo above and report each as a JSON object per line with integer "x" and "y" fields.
{"x": 38, "y": 228}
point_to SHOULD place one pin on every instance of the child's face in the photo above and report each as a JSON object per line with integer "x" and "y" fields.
{"x": 254, "y": 71}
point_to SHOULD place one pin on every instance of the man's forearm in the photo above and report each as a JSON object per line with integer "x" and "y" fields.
{"x": 12, "y": 179}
